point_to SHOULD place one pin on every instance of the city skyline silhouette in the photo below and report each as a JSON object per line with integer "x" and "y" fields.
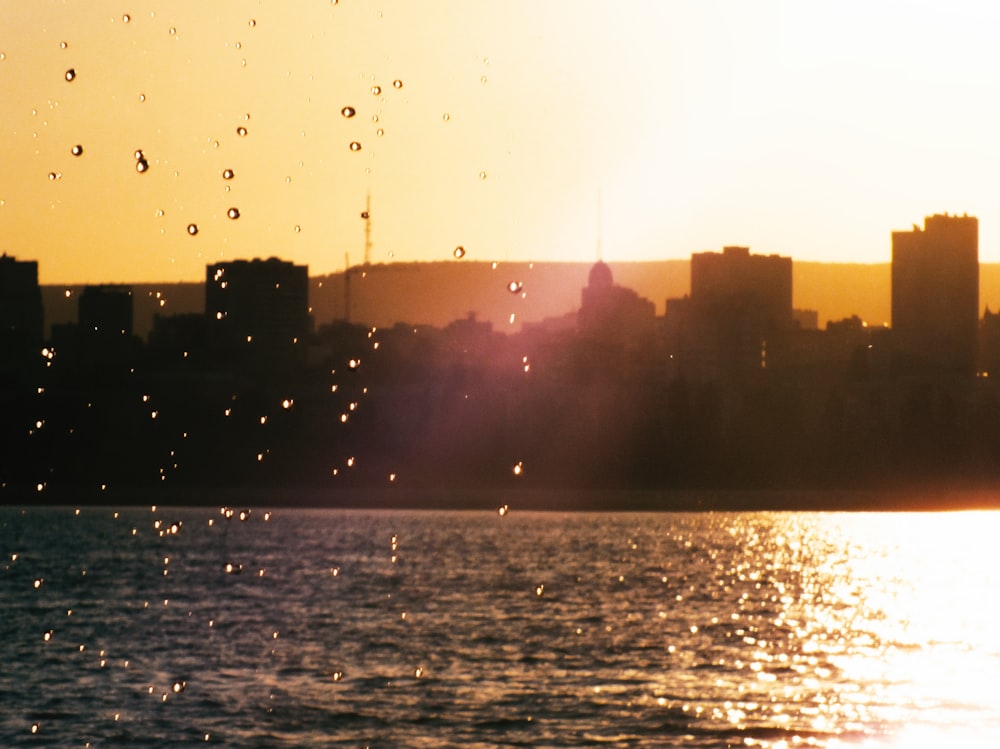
{"x": 732, "y": 388}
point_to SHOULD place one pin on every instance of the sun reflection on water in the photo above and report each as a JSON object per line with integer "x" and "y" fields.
{"x": 883, "y": 623}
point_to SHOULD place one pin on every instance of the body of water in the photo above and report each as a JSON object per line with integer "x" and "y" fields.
{"x": 168, "y": 627}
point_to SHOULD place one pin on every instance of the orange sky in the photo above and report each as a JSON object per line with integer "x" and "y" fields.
{"x": 792, "y": 128}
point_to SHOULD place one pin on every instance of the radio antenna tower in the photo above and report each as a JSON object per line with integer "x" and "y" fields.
{"x": 367, "y": 216}
{"x": 600, "y": 248}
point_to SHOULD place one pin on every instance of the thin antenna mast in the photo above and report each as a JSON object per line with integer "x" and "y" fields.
{"x": 600, "y": 248}
{"x": 347, "y": 287}
{"x": 367, "y": 216}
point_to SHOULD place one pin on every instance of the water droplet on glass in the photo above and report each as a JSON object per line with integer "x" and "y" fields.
{"x": 77, "y": 150}
{"x": 397, "y": 83}
{"x": 63, "y": 45}
{"x": 459, "y": 252}
{"x": 70, "y": 74}
{"x": 514, "y": 287}
{"x": 192, "y": 229}
{"x": 297, "y": 228}
{"x": 228, "y": 174}
{"x": 502, "y": 510}
{"x": 446, "y": 117}
{"x": 337, "y": 675}
{"x": 355, "y": 146}
{"x": 539, "y": 590}
{"x": 348, "y": 112}
{"x": 141, "y": 165}
{"x": 55, "y": 175}
{"x": 376, "y": 90}
{"x": 126, "y": 18}
{"x": 173, "y": 31}
{"x": 482, "y": 175}
{"x": 380, "y": 132}
{"x": 241, "y": 131}
{"x": 483, "y": 80}
{"x": 233, "y": 213}
{"x": 138, "y": 154}
{"x": 252, "y": 23}
{"x": 142, "y": 97}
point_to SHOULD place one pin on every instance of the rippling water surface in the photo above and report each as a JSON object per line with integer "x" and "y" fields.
{"x": 181, "y": 627}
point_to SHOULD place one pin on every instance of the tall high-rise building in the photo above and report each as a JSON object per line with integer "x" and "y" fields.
{"x": 935, "y": 296}
{"x": 258, "y": 311}
{"x": 106, "y": 311}
{"x": 754, "y": 290}
{"x": 739, "y": 309}
{"x": 20, "y": 306}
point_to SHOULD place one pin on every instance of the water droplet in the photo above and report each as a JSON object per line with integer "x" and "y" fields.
{"x": 418, "y": 672}
{"x": 228, "y": 174}
{"x": 459, "y": 252}
{"x": 241, "y": 131}
{"x": 297, "y": 228}
{"x": 55, "y": 175}
{"x": 539, "y": 590}
{"x": 514, "y": 287}
{"x": 483, "y": 80}
{"x": 141, "y": 165}
{"x": 252, "y": 23}
{"x": 192, "y": 229}
{"x": 173, "y": 31}
{"x": 337, "y": 675}
{"x": 380, "y": 132}
{"x": 348, "y": 112}
{"x": 376, "y": 90}
{"x": 71, "y": 74}
{"x": 446, "y": 117}
{"x": 63, "y": 45}
{"x": 138, "y": 154}
{"x": 77, "y": 150}
{"x": 126, "y": 18}
{"x": 35, "y": 727}
{"x": 233, "y": 213}
{"x": 179, "y": 686}
{"x": 355, "y": 146}
{"x": 142, "y": 97}
{"x": 397, "y": 83}
{"x": 482, "y": 175}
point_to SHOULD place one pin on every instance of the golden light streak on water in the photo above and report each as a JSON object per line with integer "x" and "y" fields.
{"x": 900, "y": 604}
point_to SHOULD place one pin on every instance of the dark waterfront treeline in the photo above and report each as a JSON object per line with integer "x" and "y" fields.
{"x": 731, "y": 389}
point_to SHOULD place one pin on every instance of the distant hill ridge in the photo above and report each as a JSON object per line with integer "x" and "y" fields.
{"x": 437, "y": 293}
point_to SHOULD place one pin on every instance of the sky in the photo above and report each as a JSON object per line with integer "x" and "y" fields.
{"x": 520, "y": 131}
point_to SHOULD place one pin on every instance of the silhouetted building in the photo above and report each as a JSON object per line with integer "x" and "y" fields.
{"x": 258, "y": 312}
{"x": 935, "y": 296}
{"x": 736, "y": 285}
{"x": 106, "y": 311}
{"x": 20, "y": 308}
{"x": 740, "y": 307}
{"x": 610, "y": 312}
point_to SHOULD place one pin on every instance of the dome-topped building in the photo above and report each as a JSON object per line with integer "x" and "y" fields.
{"x": 608, "y": 311}
{"x": 600, "y": 276}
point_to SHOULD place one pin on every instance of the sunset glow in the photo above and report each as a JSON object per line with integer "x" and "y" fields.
{"x": 488, "y": 127}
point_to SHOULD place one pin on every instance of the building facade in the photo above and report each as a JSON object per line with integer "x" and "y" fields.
{"x": 935, "y": 296}
{"x": 258, "y": 312}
